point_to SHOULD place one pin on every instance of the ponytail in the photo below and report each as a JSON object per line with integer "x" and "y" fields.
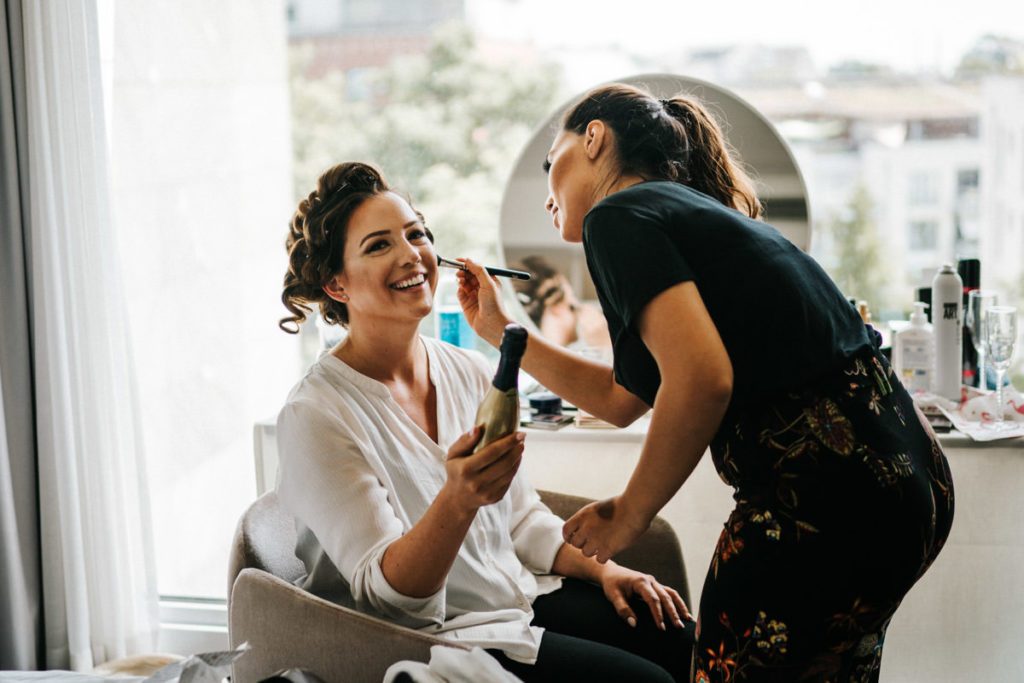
{"x": 713, "y": 166}
{"x": 675, "y": 139}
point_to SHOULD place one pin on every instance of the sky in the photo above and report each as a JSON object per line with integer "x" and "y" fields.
{"x": 910, "y": 35}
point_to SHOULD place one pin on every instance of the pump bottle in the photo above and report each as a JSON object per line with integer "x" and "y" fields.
{"x": 913, "y": 351}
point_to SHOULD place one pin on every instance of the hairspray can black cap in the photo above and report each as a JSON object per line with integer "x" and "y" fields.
{"x": 925, "y": 294}
{"x": 970, "y": 272}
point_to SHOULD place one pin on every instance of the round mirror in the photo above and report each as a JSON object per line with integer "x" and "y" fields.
{"x": 528, "y": 237}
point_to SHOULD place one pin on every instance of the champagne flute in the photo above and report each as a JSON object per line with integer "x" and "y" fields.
{"x": 978, "y": 302}
{"x": 1000, "y": 333}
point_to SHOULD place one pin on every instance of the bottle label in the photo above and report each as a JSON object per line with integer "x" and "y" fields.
{"x": 951, "y": 311}
{"x": 915, "y": 355}
{"x": 454, "y": 328}
{"x": 917, "y": 379}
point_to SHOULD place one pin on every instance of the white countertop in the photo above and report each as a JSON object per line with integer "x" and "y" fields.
{"x": 636, "y": 432}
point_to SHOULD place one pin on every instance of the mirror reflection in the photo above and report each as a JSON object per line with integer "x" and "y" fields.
{"x": 550, "y": 302}
{"x": 561, "y": 301}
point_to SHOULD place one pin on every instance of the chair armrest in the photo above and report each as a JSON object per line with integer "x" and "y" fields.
{"x": 288, "y": 627}
{"x": 657, "y": 552}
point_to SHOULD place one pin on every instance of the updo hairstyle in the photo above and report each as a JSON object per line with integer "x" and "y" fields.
{"x": 316, "y": 241}
{"x": 675, "y": 139}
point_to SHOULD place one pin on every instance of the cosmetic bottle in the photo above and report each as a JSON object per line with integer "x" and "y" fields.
{"x": 947, "y": 323}
{"x": 865, "y": 311}
{"x": 924, "y": 295}
{"x": 451, "y": 323}
{"x": 499, "y": 411}
{"x": 970, "y": 272}
{"x": 913, "y": 351}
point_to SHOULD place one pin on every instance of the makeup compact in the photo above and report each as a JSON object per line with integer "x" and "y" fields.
{"x": 544, "y": 403}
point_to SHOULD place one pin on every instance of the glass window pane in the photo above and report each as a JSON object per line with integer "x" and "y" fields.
{"x": 201, "y": 160}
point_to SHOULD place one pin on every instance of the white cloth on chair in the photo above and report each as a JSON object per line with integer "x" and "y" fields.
{"x": 452, "y": 665}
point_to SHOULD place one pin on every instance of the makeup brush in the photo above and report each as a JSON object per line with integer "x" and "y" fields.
{"x": 500, "y": 272}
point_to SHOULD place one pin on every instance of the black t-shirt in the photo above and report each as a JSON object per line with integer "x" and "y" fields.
{"x": 783, "y": 321}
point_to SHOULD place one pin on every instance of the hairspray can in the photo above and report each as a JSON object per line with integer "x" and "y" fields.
{"x": 969, "y": 270}
{"x": 947, "y": 320}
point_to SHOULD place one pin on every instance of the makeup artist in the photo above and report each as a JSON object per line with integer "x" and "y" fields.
{"x": 739, "y": 341}
{"x": 394, "y": 509}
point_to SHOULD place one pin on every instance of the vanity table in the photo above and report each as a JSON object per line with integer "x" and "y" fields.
{"x": 961, "y": 622}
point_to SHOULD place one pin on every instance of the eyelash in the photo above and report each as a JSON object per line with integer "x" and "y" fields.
{"x": 547, "y": 166}
{"x": 415, "y": 235}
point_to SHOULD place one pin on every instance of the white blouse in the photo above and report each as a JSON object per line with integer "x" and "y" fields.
{"x": 356, "y": 472}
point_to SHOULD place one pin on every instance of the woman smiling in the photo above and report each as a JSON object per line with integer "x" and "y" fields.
{"x": 394, "y": 508}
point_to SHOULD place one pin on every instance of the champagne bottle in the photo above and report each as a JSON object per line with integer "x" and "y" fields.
{"x": 499, "y": 411}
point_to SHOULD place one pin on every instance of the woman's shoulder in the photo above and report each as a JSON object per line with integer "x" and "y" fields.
{"x": 329, "y": 381}
{"x": 656, "y": 200}
{"x": 653, "y": 190}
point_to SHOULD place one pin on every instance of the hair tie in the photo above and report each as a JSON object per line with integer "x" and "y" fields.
{"x": 665, "y": 103}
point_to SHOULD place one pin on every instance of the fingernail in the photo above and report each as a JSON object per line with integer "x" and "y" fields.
{"x": 631, "y": 621}
{"x": 661, "y": 625}
{"x": 679, "y": 623}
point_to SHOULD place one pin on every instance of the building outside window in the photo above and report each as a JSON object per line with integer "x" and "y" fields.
{"x": 923, "y": 235}
{"x": 923, "y": 188}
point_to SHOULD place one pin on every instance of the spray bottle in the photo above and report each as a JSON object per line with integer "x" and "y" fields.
{"x": 947, "y": 321}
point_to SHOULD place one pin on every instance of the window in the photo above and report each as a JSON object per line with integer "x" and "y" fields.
{"x": 923, "y": 235}
{"x": 200, "y": 157}
{"x": 923, "y": 188}
{"x": 966, "y": 181}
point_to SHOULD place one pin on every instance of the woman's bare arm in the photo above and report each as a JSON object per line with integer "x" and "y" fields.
{"x": 587, "y": 384}
{"x": 417, "y": 564}
{"x": 696, "y": 385}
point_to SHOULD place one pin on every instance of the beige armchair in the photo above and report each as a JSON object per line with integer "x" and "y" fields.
{"x": 287, "y": 627}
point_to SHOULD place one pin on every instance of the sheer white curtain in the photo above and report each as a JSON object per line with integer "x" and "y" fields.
{"x": 99, "y": 582}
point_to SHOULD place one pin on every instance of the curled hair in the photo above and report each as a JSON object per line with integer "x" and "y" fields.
{"x": 675, "y": 139}
{"x": 316, "y": 241}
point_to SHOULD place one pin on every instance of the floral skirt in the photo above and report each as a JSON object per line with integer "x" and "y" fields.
{"x": 843, "y": 500}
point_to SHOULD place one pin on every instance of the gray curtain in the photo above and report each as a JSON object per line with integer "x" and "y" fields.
{"x": 21, "y": 635}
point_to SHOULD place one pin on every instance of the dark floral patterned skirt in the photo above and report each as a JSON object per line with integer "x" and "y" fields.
{"x": 843, "y": 500}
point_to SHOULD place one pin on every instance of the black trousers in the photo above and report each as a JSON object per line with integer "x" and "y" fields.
{"x": 586, "y": 640}
{"x": 843, "y": 500}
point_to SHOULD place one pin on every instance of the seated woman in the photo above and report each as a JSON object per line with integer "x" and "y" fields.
{"x": 395, "y": 510}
